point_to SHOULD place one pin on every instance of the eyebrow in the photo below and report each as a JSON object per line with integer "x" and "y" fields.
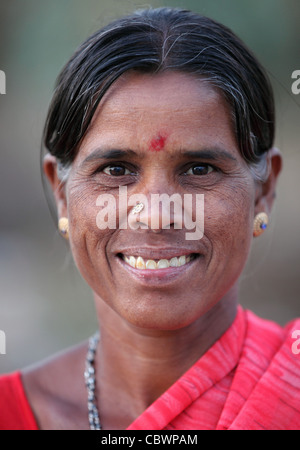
{"x": 107, "y": 154}
{"x": 211, "y": 154}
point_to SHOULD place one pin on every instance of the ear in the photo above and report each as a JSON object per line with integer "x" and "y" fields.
{"x": 58, "y": 186}
{"x": 266, "y": 191}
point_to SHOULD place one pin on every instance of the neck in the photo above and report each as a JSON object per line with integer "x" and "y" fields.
{"x": 138, "y": 365}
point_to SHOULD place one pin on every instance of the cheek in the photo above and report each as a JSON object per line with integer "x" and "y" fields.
{"x": 228, "y": 222}
{"x": 86, "y": 239}
{"x": 82, "y": 213}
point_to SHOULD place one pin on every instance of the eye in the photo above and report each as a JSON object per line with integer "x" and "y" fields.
{"x": 116, "y": 170}
{"x": 200, "y": 169}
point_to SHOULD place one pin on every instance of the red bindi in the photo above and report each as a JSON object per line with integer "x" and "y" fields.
{"x": 157, "y": 143}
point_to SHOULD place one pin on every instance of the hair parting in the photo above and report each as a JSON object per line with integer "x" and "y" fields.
{"x": 153, "y": 41}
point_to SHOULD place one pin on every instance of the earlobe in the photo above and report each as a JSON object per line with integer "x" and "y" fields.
{"x": 58, "y": 186}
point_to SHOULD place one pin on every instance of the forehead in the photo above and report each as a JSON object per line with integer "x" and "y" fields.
{"x": 142, "y": 110}
{"x": 136, "y": 93}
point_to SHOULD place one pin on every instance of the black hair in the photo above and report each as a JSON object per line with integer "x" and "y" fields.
{"x": 152, "y": 41}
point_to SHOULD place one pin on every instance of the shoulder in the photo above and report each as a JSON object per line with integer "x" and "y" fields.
{"x": 48, "y": 395}
{"x": 56, "y": 390}
{"x": 267, "y": 343}
{"x": 271, "y": 338}
{"x": 15, "y": 411}
{"x": 270, "y": 367}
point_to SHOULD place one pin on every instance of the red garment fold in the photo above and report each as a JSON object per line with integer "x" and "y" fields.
{"x": 248, "y": 380}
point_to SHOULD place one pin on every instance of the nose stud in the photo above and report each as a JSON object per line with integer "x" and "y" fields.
{"x": 138, "y": 208}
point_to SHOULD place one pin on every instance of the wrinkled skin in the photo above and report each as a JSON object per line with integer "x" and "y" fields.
{"x": 161, "y": 319}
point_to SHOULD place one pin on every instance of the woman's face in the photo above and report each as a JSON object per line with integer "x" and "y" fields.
{"x": 160, "y": 134}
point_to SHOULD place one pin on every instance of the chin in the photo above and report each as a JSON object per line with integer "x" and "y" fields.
{"x": 161, "y": 312}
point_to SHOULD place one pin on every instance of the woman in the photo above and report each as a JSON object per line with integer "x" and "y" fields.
{"x": 162, "y": 103}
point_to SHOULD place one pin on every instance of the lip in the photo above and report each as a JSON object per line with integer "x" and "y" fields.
{"x": 158, "y": 277}
{"x": 156, "y": 253}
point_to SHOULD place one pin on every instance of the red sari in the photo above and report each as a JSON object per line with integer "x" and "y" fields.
{"x": 248, "y": 380}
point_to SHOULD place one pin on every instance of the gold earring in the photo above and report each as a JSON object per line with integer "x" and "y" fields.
{"x": 260, "y": 223}
{"x": 63, "y": 226}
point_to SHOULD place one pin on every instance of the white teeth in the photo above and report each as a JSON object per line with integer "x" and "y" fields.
{"x": 163, "y": 264}
{"x": 132, "y": 261}
{"x": 181, "y": 260}
{"x": 140, "y": 263}
{"x": 174, "y": 262}
{"x": 150, "y": 264}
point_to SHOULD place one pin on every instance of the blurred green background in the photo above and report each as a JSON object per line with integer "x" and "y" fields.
{"x": 44, "y": 304}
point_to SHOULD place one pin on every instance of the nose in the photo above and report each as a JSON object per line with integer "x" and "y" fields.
{"x": 155, "y": 211}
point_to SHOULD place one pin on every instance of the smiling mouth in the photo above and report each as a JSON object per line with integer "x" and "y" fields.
{"x": 151, "y": 264}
